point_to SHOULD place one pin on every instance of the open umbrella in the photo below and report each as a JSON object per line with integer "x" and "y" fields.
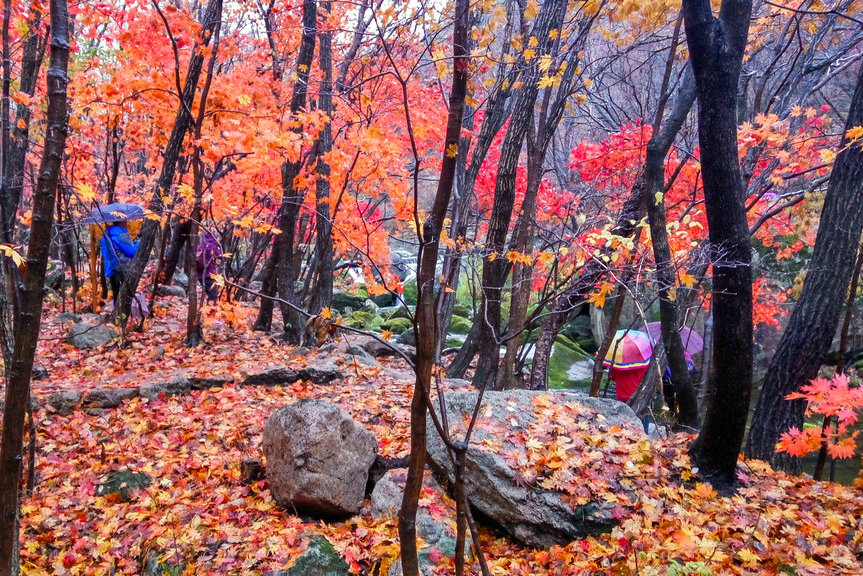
{"x": 693, "y": 343}
{"x": 116, "y": 212}
{"x": 629, "y": 349}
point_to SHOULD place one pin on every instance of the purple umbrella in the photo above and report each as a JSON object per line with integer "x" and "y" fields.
{"x": 693, "y": 343}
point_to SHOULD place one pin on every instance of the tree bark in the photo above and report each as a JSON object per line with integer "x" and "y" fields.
{"x": 322, "y": 294}
{"x": 495, "y": 264}
{"x": 30, "y": 290}
{"x": 716, "y": 47}
{"x": 426, "y": 319}
{"x": 813, "y": 323}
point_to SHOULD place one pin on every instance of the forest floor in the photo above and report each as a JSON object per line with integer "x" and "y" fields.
{"x": 200, "y": 516}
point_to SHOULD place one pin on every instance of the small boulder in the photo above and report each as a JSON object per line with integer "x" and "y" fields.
{"x": 377, "y": 348}
{"x": 318, "y": 458}
{"x": 360, "y": 356}
{"x": 319, "y": 559}
{"x": 85, "y": 335}
{"x": 408, "y": 338}
{"x": 64, "y": 317}
{"x": 181, "y": 278}
{"x": 123, "y": 483}
{"x": 55, "y": 274}
{"x": 320, "y": 372}
{"x": 109, "y": 398}
{"x": 272, "y": 376}
{"x": 170, "y": 388}
{"x": 205, "y": 382}
{"x": 178, "y": 291}
{"x": 64, "y": 402}
{"x": 39, "y": 372}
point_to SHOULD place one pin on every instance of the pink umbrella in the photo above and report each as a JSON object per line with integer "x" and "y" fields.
{"x": 629, "y": 349}
{"x": 693, "y": 343}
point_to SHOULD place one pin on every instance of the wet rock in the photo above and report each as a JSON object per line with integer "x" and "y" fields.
{"x": 64, "y": 402}
{"x": 86, "y": 335}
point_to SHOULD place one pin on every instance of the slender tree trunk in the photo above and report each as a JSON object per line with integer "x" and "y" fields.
{"x": 716, "y": 47}
{"x": 149, "y": 230}
{"x": 652, "y": 183}
{"x": 30, "y": 291}
{"x": 322, "y": 294}
{"x": 812, "y": 325}
{"x": 426, "y": 318}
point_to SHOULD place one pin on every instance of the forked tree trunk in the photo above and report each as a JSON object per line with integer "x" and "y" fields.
{"x": 716, "y": 47}
{"x": 30, "y": 289}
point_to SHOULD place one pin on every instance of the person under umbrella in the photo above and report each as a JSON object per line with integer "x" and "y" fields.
{"x": 117, "y": 249}
{"x": 206, "y": 261}
{"x": 627, "y": 359}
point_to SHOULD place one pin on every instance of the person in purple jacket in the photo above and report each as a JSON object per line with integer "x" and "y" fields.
{"x": 206, "y": 261}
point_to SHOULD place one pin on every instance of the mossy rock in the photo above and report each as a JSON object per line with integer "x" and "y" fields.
{"x": 397, "y": 325}
{"x": 453, "y": 343}
{"x": 384, "y": 300}
{"x": 410, "y": 291}
{"x": 123, "y": 482}
{"x": 342, "y": 301}
{"x": 319, "y": 559}
{"x": 565, "y": 354}
{"x": 153, "y": 566}
{"x": 459, "y": 325}
{"x": 408, "y": 338}
{"x": 400, "y": 312}
{"x": 462, "y": 311}
{"x": 360, "y": 319}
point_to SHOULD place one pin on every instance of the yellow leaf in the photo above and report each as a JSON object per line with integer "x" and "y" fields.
{"x": 326, "y": 313}
{"x": 531, "y": 10}
{"x": 492, "y": 257}
{"x": 533, "y": 42}
{"x": 529, "y": 54}
{"x": 452, "y": 150}
{"x": 854, "y": 134}
{"x": 659, "y": 196}
{"x": 13, "y": 254}
{"x": 687, "y": 280}
{"x": 86, "y": 192}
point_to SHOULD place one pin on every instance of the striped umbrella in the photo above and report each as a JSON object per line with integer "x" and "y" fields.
{"x": 629, "y": 349}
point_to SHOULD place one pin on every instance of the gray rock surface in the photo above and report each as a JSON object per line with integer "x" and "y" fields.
{"x": 318, "y": 458}
{"x": 109, "y": 398}
{"x": 532, "y": 515}
{"x": 376, "y": 349}
{"x": 170, "y": 388}
{"x": 320, "y": 371}
{"x": 163, "y": 290}
{"x": 272, "y": 376}
{"x": 64, "y": 402}
{"x": 85, "y": 335}
{"x": 215, "y": 381}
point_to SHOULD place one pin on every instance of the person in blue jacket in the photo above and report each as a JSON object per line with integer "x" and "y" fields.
{"x": 117, "y": 252}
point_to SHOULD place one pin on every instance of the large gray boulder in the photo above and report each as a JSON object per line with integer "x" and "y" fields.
{"x": 109, "y": 397}
{"x": 318, "y": 458}
{"x": 533, "y": 515}
{"x": 85, "y": 335}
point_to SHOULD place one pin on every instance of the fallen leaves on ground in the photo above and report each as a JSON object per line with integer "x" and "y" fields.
{"x": 197, "y": 513}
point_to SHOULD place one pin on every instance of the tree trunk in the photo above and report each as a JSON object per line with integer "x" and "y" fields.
{"x": 30, "y": 291}
{"x": 426, "y": 319}
{"x": 149, "y": 230}
{"x": 716, "y": 49}
{"x": 495, "y": 264}
{"x": 278, "y": 274}
{"x": 812, "y": 325}
{"x": 322, "y": 294}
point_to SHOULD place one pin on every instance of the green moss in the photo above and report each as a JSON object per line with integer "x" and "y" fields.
{"x": 410, "y": 291}
{"x": 360, "y": 319}
{"x": 319, "y": 559}
{"x": 462, "y": 311}
{"x": 459, "y": 325}
{"x": 400, "y": 312}
{"x": 396, "y": 325}
{"x": 565, "y": 354}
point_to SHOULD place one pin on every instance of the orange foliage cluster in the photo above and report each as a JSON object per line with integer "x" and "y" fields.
{"x": 834, "y": 398}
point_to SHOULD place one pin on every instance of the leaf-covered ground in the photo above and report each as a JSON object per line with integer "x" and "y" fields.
{"x": 197, "y": 512}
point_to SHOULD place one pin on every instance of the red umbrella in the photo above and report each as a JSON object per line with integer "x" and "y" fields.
{"x": 630, "y": 349}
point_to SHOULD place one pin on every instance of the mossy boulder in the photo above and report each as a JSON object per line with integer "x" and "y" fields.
{"x": 463, "y": 311}
{"x": 319, "y": 559}
{"x": 459, "y": 325}
{"x": 123, "y": 483}
{"x": 399, "y": 312}
{"x": 396, "y": 325}
{"x": 342, "y": 301}
{"x": 408, "y": 338}
{"x": 360, "y": 319}
{"x": 410, "y": 291}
